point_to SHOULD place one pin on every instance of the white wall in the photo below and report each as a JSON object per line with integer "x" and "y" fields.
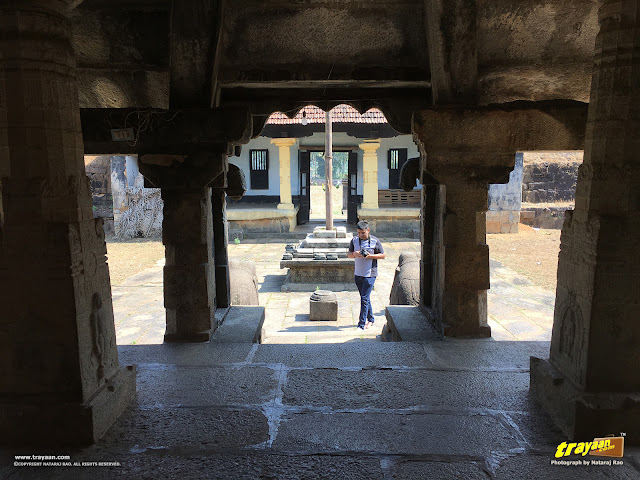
{"x": 242, "y": 162}
{"x": 401, "y": 141}
{"x": 340, "y": 139}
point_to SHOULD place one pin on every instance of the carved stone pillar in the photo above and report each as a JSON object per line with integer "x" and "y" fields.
{"x": 284, "y": 159}
{"x": 466, "y": 262}
{"x": 370, "y": 174}
{"x": 189, "y": 272}
{"x": 591, "y": 382}
{"x": 466, "y": 149}
{"x": 220, "y": 247}
{"x": 59, "y": 370}
{"x": 187, "y": 233}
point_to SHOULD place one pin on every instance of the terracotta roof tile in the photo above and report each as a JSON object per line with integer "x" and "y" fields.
{"x": 339, "y": 114}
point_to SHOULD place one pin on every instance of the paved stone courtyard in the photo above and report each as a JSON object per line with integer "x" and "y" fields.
{"x": 518, "y": 310}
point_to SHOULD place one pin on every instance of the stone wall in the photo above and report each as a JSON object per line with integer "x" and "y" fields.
{"x": 141, "y": 212}
{"x": 550, "y": 177}
{"x": 129, "y": 210}
{"x": 503, "y": 215}
{"x": 98, "y": 170}
{"x": 548, "y": 187}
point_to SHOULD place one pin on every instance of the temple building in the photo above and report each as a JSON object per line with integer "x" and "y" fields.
{"x": 189, "y": 89}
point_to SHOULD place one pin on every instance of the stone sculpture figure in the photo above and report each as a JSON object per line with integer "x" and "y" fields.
{"x": 406, "y": 281}
{"x": 409, "y": 174}
{"x": 243, "y": 283}
{"x": 99, "y": 335}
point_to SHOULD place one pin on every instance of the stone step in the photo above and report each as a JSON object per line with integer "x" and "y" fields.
{"x": 241, "y": 324}
{"x": 406, "y": 323}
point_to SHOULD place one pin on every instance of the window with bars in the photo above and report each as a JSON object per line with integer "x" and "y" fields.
{"x": 259, "y": 169}
{"x": 397, "y": 158}
{"x": 393, "y": 159}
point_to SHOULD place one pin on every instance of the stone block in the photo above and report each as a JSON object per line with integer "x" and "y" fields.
{"x": 323, "y": 306}
{"x": 493, "y": 227}
{"x": 321, "y": 232}
{"x": 242, "y": 324}
{"x": 579, "y": 414}
{"x": 409, "y": 324}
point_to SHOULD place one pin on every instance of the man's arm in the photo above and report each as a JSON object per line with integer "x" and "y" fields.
{"x": 351, "y": 253}
{"x": 378, "y": 252}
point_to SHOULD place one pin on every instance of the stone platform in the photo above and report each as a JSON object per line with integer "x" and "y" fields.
{"x": 310, "y": 265}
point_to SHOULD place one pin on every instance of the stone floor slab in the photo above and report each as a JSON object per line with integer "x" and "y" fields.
{"x": 389, "y": 434}
{"x": 422, "y": 389}
{"x": 346, "y": 355}
{"x": 170, "y": 386}
{"x": 197, "y": 463}
{"x": 422, "y": 470}
{"x": 198, "y": 354}
{"x": 485, "y": 353}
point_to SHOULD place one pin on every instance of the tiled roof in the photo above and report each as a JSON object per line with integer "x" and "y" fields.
{"x": 339, "y": 114}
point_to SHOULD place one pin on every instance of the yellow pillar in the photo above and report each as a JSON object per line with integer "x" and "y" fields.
{"x": 284, "y": 157}
{"x": 370, "y": 174}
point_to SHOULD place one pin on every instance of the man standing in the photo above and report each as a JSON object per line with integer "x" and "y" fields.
{"x": 366, "y": 250}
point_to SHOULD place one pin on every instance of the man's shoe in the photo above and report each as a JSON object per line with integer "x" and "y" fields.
{"x": 361, "y": 327}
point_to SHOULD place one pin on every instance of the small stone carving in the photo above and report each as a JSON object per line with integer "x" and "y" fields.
{"x": 323, "y": 305}
{"x": 243, "y": 283}
{"x": 332, "y": 256}
{"x": 236, "y": 182}
{"x": 406, "y": 281}
{"x": 100, "y": 336}
{"x": 319, "y": 256}
{"x": 570, "y": 329}
{"x": 287, "y": 256}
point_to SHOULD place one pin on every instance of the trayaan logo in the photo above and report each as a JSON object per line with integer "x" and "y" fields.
{"x": 568, "y": 454}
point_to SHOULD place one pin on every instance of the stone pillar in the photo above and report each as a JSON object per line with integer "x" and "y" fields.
{"x": 432, "y": 256}
{"x": 189, "y": 272}
{"x": 220, "y": 247}
{"x": 187, "y": 233}
{"x": 591, "y": 382}
{"x": 466, "y": 261}
{"x": 60, "y": 380}
{"x": 370, "y": 174}
{"x": 466, "y": 149}
{"x": 284, "y": 159}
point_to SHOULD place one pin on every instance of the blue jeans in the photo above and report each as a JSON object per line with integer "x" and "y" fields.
{"x": 365, "y": 285}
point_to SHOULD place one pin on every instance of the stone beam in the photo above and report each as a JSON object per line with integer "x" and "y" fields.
{"x": 482, "y": 132}
{"x": 195, "y": 39}
{"x": 198, "y": 170}
{"x": 181, "y": 131}
{"x": 452, "y": 45}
